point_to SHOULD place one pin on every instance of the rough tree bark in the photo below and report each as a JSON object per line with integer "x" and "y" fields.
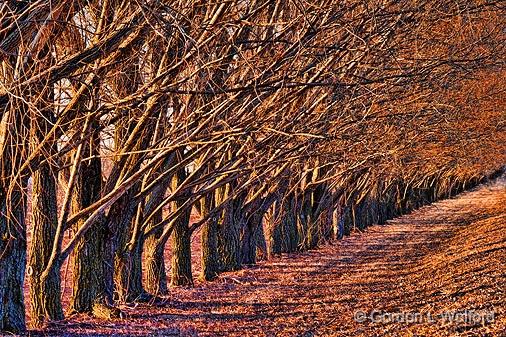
{"x": 253, "y": 237}
{"x": 44, "y": 293}
{"x": 209, "y": 237}
{"x": 290, "y": 231}
{"x": 12, "y": 261}
{"x": 274, "y": 229}
{"x": 156, "y": 277}
{"x": 120, "y": 221}
{"x": 250, "y": 236}
{"x": 154, "y": 245}
{"x": 12, "y": 220}
{"x": 229, "y": 231}
{"x": 181, "y": 266}
{"x": 90, "y": 287}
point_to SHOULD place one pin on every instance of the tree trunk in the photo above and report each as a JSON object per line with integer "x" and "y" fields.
{"x": 12, "y": 263}
{"x": 121, "y": 217}
{"x": 90, "y": 284}
{"x": 326, "y": 223}
{"x": 274, "y": 230}
{"x": 290, "y": 234}
{"x": 304, "y": 220}
{"x": 156, "y": 277}
{"x": 313, "y": 217}
{"x": 261, "y": 251}
{"x": 359, "y": 216}
{"x": 91, "y": 288}
{"x": 347, "y": 221}
{"x": 336, "y": 216}
{"x": 209, "y": 239}
{"x": 13, "y": 136}
{"x": 229, "y": 240}
{"x": 44, "y": 294}
{"x": 153, "y": 248}
{"x": 249, "y": 240}
{"x": 181, "y": 267}
{"x": 135, "y": 287}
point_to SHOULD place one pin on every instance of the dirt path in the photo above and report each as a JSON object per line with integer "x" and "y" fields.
{"x": 443, "y": 258}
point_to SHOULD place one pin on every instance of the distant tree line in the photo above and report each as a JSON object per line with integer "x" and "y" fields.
{"x": 265, "y": 126}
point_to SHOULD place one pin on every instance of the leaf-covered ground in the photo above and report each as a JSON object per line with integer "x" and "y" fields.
{"x": 445, "y": 258}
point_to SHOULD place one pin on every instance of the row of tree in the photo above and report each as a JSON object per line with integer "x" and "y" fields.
{"x": 279, "y": 124}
